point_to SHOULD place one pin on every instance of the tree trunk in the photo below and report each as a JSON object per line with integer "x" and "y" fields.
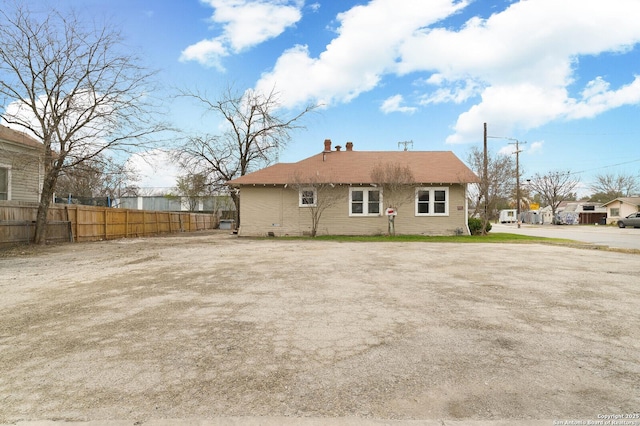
{"x": 235, "y": 197}
{"x": 43, "y": 212}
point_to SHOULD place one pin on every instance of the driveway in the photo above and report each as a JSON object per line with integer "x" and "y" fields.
{"x": 207, "y": 326}
{"x": 610, "y": 236}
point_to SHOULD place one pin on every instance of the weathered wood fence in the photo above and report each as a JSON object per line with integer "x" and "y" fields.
{"x": 78, "y": 223}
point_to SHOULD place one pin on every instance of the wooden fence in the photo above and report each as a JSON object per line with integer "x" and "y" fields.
{"x": 78, "y": 223}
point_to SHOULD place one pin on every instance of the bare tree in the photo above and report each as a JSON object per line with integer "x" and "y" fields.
{"x": 67, "y": 83}
{"x": 255, "y": 131}
{"x": 193, "y": 186}
{"x": 612, "y": 186}
{"x": 554, "y": 188}
{"x": 396, "y": 181}
{"x": 315, "y": 195}
{"x": 499, "y": 182}
{"x": 100, "y": 176}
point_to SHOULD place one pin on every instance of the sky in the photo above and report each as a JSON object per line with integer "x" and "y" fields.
{"x": 561, "y": 77}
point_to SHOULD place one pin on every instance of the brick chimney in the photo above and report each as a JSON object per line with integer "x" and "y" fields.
{"x": 349, "y": 146}
{"x": 338, "y": 147}
{"x": 327, "y": 145}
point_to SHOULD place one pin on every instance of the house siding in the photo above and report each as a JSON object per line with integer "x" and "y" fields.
{"x": 624, "y": 208}
{"x": 275, "y": 209}
{"x": 25, "y": 172}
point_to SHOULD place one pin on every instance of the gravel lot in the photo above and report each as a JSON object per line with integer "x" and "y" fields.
{"x": 208, "y": 325}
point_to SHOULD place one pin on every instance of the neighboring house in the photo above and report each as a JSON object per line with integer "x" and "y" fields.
{"x": 280, "y": 200}
{"x": 581, "y": 213}
{"x": 621, "y": 207}
{"x": 21, "y": 166}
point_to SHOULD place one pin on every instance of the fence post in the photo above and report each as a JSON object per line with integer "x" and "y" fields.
{"x": 76, "y": 222}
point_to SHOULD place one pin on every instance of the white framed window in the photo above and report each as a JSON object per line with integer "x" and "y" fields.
{"x": 5, "y": 182}
{"x": 308, "y": 197}
{"x": 432, "y": 201}
{"x": 365, "y": 201}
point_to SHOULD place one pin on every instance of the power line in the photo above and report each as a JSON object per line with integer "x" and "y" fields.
{"x": 606, "y": 167}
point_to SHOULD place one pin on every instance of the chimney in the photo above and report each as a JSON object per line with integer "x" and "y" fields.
{"x": 338, "y": 147}
{"x": 349, "y": 146}
{"x": 327, "y": 145}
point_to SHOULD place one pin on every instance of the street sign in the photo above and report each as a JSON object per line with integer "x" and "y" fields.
{"x": 392, "y": 212}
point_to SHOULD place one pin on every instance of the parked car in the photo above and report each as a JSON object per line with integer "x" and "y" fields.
{"x": 632, "y": 220}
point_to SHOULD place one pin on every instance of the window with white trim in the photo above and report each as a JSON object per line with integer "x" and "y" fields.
{"x": 308, "y": 197}
{"x": 365, "y": 201}
{"x": 432, "y": 201}
{"x": 5, "y": 175}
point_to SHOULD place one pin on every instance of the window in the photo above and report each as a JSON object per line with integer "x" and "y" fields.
{"x": 364, "y": 201}
{"x": 432, "y": 201}
{"x": 308, "y": 197}
{"x": 4, "y": 183}
{"x": 615, "y": 212}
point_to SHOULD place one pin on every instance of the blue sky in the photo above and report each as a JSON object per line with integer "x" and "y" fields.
{"x": 562, "y": 76}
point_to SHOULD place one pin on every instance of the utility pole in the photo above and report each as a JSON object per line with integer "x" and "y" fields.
{"x": 406, "y": 144}
{"x": 517, "y": 153}
{"x": 485, "y": 182}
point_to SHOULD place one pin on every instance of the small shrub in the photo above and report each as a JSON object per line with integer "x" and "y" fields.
{"x": 475, "y": 226}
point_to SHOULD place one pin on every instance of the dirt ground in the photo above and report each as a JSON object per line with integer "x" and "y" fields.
{"x": 208, "y": 325}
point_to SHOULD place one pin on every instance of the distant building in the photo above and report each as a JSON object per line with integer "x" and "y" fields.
{"x": 221, "y": 204}
{"x": 581, "y": 213}
{"x": 508, "y": 216}
{"x": 621, "y": 207}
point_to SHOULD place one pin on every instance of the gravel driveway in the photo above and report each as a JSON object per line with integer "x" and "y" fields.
{"x": 208, "y": 325}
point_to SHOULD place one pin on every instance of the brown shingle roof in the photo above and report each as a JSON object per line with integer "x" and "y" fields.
{"x": 10, "y": 135}
{"x": 354, "y": 167}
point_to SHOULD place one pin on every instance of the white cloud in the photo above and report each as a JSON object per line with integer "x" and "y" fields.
{"x": 458, "y": 92}
{"x": 507, "y": 107}
{"x": 355, "y": 61}
{"x": 525, "y": 58}
{"x": 597, "y": 98}
{"x": 156, "y": 169}
{"x": 535, "y": 147}
{"x": 507, "y": 150}
{"x": 518, "y": 66}
{"x": 393, "y": 104}
{"x": 245, "y": 24}
{"x": 206, "y": 52}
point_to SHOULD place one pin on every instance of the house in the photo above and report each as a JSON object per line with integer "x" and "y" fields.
{"x": 580, "y": 213}
{"x": 621, "y": 207}
{"x": 286, "y": 198}
{"x": 21, "y": 166}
